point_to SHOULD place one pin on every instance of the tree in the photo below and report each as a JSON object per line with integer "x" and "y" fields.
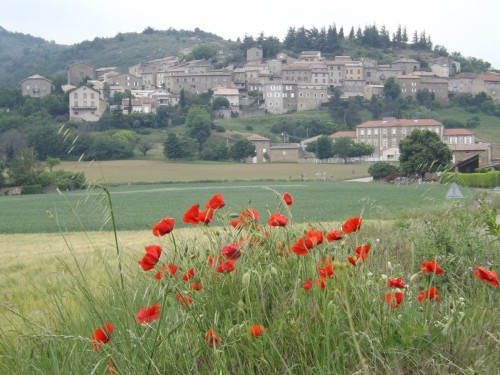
{"x": 322, "y": 147}
{"x": 47, "y": 141}
{"x": 144, "y": 147}
{"x": 423, "y": 151}
{"x": 52, "y": 162}
{"x": 391, "y": 88}
{"x": 214, "y": 149}
{"x": 342, "y": 148}
{"x": 198, "y": 121}
{"x": 25, "y": 167}
{"x": 361, "y": 149}
{"x": 241, "y": 149}
{"x": 382, "y": 169}
{"x": 171, "y": 147}
{"x": 220, "y": 102}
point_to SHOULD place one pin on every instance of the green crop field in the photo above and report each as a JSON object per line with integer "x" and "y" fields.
{"x": 138, "y": 207}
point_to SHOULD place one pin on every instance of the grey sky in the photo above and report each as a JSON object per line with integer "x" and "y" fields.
{"x": 470, "y": 27}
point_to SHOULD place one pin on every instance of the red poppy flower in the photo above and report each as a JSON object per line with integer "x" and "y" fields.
{"x": 205, "y": 216}
{"x": 277, "y": 220}
{"x": 249, "y": 214}
{"x": 196, "y": 286}
{"x": 352, "y": 225}
{"x": 191, "y": 215}
{"x": 287, "y": 198}
{"x": 257, "y": 330}
{"x": 314, "y": 237}
{"x": 165, "y": 226}
{"x": 184, "y": 300}
{"x": 211, "y": 338}
{"x": 227, "y": 266}
{"x": 231, "y": 252}
{"x": 148, "y": 314}
{"x": 111, "y": 369}
{"x": 166, "y": 271}
{"x": 215, "y": 202}
{"x": 300, "y": 247}
{"x": 428, "y": 294}
{"x": 362, "y": 251}
{"x": 307, "y": 284}
{"x": 394, "y": 299}
{"x": 320, "y": 282}
{"x": 189, "y": 274}
{"x": 490, "y": 277}
{"x": 352, "y": 261}
{"x": 152, "y": 256}
{"x": 395, "y": 283}
{"x": 101, "y": 336}
{"x": 431, "y": 266}
{"x": 326, "y": 271}
{"x": 334, "y": 235}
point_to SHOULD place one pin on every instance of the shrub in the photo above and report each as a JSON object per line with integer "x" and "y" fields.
{"x": 32, "y": 189}
{"x": 381, "y": 169}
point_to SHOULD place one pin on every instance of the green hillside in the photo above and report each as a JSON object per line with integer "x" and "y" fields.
{"x": 24, "y": 55}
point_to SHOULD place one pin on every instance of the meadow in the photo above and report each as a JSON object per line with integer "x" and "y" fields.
{"x": 249, "y": 297}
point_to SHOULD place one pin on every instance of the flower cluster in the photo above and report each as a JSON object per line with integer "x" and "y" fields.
{"x": 314, "y": 243}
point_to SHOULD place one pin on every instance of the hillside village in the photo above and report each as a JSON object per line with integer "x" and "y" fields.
{"x": 283, "y": 85}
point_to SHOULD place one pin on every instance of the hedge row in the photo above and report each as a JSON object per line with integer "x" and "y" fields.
{"x": 482, "y": 180}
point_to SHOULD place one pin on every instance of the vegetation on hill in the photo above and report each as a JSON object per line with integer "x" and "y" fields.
{"x": 24, "y": 55}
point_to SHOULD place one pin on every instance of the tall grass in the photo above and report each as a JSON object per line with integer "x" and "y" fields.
{"x": 344, "y": 328}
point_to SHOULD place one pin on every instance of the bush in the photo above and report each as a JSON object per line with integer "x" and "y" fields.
{"x": 32, "y": 189}
{"x": 478, "y": 180}
{"x": 381, "y": 169}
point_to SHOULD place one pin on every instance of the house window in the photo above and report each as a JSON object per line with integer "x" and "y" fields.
{"x": 270, "y": 104}
{"x": 92, "y": 95}
{"x": 322, "y": 95}
{"x": 28, "y": 87}
{"x": 292, "y": 95}
{"x": 76, "y": 103}
{"x": 403, "y": 131}
{"x": 393, "y": 142}
{"x": 384, "y": 131}
{"x": 75, "y": 95}
{"x": 375, "y": 131}
{"x": 375, "y": 142}
{"x": 384, "y": 143}
{"x": 272, "y": 87}
{"x": 92, "y": 103}
{"x": 276, "y": 104}
{"x": 362, "y": 132}
{"x": 278, "y": 87}
{"x": 393, "y": 131}
{"x": 369, "y": 132}
{"x": 84, "y": 95}
{"x": 308, "y": 94}
{"x": 301, "y": 95}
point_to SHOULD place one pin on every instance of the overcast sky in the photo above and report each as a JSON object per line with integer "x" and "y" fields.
{"x": 470, "y": 27}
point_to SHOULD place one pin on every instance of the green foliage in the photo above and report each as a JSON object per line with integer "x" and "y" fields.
{"x": 203, "y": 51}
{"x": 198, "y": 121}
{"x": 214, "y": 149}
{"x": 179, "y": 147}
{"x": 392, "y": 89}
{"x": 489, "y": 179}
{"x": 382, "y": 169}
{"x": 423, "y": 151}
{"x": 220, "y": 102}
{"x": 32, "y": 189}
{"x": 49, "y": 142}
{"x": 25, "y": 167}
{"x": 127, "y": 135}
{"x": 241, "y": 149}
{"x": 107, "y": 147}
{"x": 266, "y": 288}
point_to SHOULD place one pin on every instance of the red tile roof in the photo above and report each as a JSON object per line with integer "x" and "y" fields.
{"x": 457, "y": 131}
{"x": 343, "y": 134}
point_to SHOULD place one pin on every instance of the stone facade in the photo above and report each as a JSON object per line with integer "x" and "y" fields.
{"x": 78, "y": 72}
{"x": 36, "y": 86}
{"x": 85, "y": 104}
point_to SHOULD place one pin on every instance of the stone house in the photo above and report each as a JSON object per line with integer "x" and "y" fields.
{"x": 458, "y": 137}
{"x": 125, "y": 80}
{"x": 36, "y": 86}
{"x": 311, "y": 96}
{"x": 369, "y": 91}
{"x": 102, "y": 73}
{"x": 406, "y": 65}
{"x": 78, "y": 72}
{"x": 385, "y": 135}
{"x": 288, "y": 153}
{"x": 262, "y": 148}
{"x": 85, "y": 104}
{"x": 198, "y": 82}
{"x": 444, "y": 66}
{"x": 255, "y": 55}
{"x": 487, "y": 83}
{"x": 464, "y": 153}
{"x": 311, "y": 56}
{"x": 231, "y": 94}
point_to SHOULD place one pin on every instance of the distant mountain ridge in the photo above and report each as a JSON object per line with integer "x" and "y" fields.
{"x": 22, "y": 55}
